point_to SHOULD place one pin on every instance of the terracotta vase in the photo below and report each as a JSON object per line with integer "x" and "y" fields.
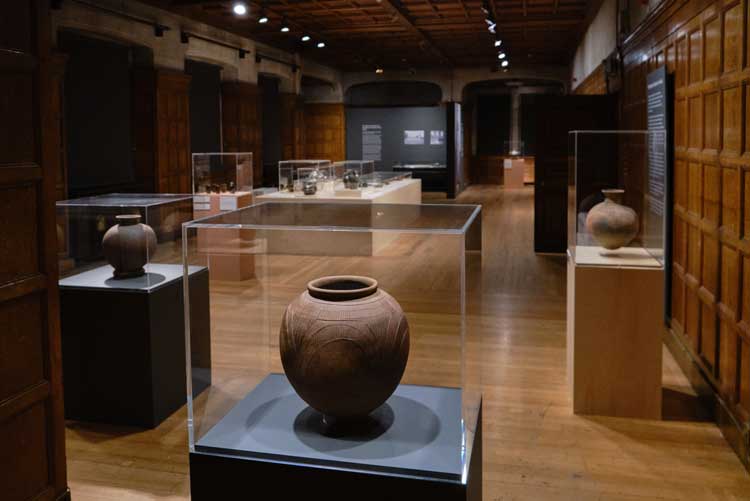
{"x": 344, "y": 345}
{"x": 613, "y": 225}
{"x": 128, "y": 245}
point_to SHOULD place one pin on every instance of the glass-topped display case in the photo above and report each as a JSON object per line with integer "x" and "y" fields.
{"x": 318, "y": 175}
{"x": 355, "y": 346}
{"x": 222, "y": 173}
{"x": 121, "y": 238}
{"x": 616, "y": 218}
{"x": 353, "y": 174}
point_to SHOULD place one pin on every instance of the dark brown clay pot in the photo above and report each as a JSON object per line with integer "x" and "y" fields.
{"x": 613, "y": 225}
{"x": 344, "y": 345}
{"x": 128, "y": 244}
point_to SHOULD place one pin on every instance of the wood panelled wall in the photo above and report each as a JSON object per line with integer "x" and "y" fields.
{"x": 706, "y": 45}
{"x": 242, "y": 123}
{"x": 173, "y": 166}
{"x": 32, "y": 439}
{"x": 325, "y": 131}
{"x": 594, "y": 84}
{"x": 292, "y": 127}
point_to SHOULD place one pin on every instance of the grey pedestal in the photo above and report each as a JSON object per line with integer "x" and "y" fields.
{"x": 123, "y": 344}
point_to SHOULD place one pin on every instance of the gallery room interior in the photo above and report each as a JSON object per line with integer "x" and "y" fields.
{"x": 374, "y": 250}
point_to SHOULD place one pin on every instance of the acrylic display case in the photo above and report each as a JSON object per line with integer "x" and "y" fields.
{"x": 602, "y": 162}
{"x": 294, "y": 173}
{"x": 360, "y": 170}
{"x": 615, "y": 274}
{"x": 427, "y": 257}
{"x": 221, "y": 182}
{"x": 121, "y": 307}
{"x": 83, "y": 222}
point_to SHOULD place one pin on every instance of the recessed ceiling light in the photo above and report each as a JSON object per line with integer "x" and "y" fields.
{"x": 504, "y": 64}
{"x": 501, "y": 55}
{"x": 321, "y": 45}
{"x": 239, "y": 8}
{"x": 305, "y": 38}
{"x": 498, "y": 43}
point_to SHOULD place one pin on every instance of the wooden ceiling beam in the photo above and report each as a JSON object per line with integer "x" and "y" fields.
{"x": 400, "y": 16}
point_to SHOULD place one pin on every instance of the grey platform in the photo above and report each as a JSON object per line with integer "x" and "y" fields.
{"x": 416, "y": 432}
{"x": 123, "y": 343}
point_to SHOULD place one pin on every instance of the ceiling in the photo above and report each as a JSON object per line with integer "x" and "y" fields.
{"x": 405, "y": 34}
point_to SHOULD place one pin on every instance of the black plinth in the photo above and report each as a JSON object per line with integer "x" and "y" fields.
{"x": 123, "y": 344}
{"x": 272, "y": 446}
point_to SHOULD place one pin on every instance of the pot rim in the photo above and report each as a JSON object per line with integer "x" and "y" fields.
{"x": 320, "y": 288}
{"x": 128, "y": 219}
{"x": 613, "y": 191}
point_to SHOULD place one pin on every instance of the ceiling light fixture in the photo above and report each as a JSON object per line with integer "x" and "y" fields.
{"x": 284, "y": 26}
{"x": 498, "y": 43}
{"x": 263, "y": 19}
{"x": 379, "y": 71}
{"x": 501, "y": 55}
{"x": 321, "y": 45}
{"x": 504, "y": 64}
{"x": 305, "y": 38}
{"x": 239, "y": 8}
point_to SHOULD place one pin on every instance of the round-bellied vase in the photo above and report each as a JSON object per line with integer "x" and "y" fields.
{"x": 612, "y": 224}
{"x": 344, "y": 345}
{"x": 128, "y": 244}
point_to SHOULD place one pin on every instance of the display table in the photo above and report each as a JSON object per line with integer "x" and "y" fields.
{"x": 404, "y": 191}
{"x": 614, "y": 326}
{"x": 514, "y": 171}
{"x": 123, "y": 344}
{"x": 411, "y": 446}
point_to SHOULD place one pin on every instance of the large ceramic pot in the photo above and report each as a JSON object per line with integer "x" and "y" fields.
{"x": 128, "y": 244}
{"x": 344, "y": 345}
{"x": 613, "y": 225}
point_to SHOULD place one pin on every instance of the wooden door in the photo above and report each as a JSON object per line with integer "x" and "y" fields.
{"x": 555, "y": 116}
{"x": 32, "y": 461}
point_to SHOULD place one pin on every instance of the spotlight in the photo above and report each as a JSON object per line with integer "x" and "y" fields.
{"x": 504, "y": 64}
{"x": 305, "y": 38}
{"x": 501, "y": 55}
{"x": 321, "y": 45}
{"x": 239, "y": 8}
{"x": 263, "y": 19}
{"x": 379, "y": 71}
{"x": 284, "y": 26}
{"x": 498, "y": 43}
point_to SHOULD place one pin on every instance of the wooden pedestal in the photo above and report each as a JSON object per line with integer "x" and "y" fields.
{"x": 514, "y": 172}
{"x": 615, "y": 322}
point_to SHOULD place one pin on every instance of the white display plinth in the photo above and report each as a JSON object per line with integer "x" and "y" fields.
{"x": 403, "y": 191}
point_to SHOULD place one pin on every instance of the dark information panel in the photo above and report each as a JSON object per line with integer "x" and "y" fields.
{"x": 660, "y": 147}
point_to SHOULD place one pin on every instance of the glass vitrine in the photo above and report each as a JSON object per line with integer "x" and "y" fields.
{"x": 294, "y": 173}
{"x": 615, "y": 217}
{"x": 121, "y": 238}
{"x": 222, "y": 173}
{"x": 354, "y": 345}
{"x": 352, "y": 174}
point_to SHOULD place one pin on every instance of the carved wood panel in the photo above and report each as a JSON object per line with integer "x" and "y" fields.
{"x": 242, "y": 126}
{"x": 32, "y": 462}
{"x": 325, "y": 131}
{"x": 707, "y": 51}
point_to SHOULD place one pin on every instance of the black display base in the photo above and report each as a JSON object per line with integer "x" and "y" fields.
{"x": 257, "y": 440}
{"x": 123, "y": 344}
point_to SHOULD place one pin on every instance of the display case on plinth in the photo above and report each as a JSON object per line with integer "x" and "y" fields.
{"x": 122, "y": 308}
{"x": 224, "y": 182}
{"x": 343, "y": 376}
{"x": 616, "y": 242}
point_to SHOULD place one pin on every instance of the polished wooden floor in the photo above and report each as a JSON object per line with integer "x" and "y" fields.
{"x": 534, "y": 448}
